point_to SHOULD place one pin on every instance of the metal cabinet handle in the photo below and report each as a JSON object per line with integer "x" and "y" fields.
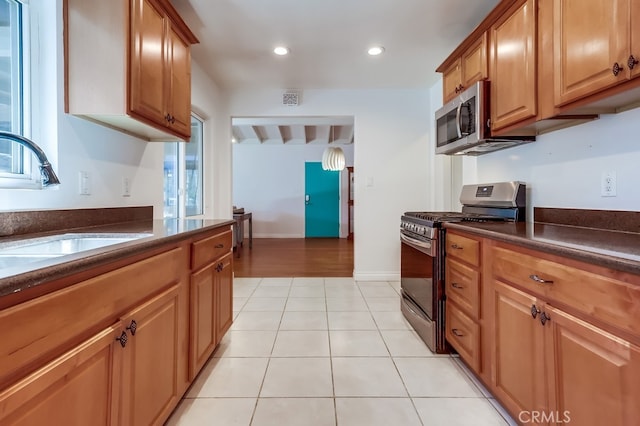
{"x": 544, "y": 318}
{"x": 457, "y": 247}
{"x": 617, "y": 68}
{"x": 172, "y": 119}
{"x": 534, "y": 311}
{"x": 632, "y": 62}
{"x": 218, "y": 246}
{"x": 458, "y": 286}
{"x": 457, "y": 332}
{"x": 133, "y": 327}
{"x": 122, "y": 339}
{"x": 540, "y": 280}
{"x": 167, "y": 117}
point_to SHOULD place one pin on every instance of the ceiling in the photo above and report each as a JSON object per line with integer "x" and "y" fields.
{"x": 328, "y": 42}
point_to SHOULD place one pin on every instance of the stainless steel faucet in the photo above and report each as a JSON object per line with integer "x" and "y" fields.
{"x": 48, "y": 176}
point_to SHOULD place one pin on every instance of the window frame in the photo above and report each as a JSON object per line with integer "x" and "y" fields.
{"x": 179, "y": 148}
{"x": 28, "y": 176}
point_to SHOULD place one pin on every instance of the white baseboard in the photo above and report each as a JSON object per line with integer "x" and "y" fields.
{"x": 276, "y": 235}
{"x": 376, "y": 276}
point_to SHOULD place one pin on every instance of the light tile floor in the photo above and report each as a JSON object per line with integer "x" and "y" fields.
{"x": 330, "y": 351}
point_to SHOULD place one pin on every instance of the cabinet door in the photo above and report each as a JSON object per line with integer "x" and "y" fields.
{"x": 179, "y": 106}
{"x": 150, "y": 379}
{"x": 147, "y": 78}
{"x": 474, "y": 62}
{"x": 518, "y": 350}
{"x": 451, "y": 80}
{"x": 635, "y": 39}
{"x": 596, "y": 375}
{"x": 79, "y": 388}
{"x": 590, "y": 37}
{"x": 513, "y": 66}
{"x": 203, "y": 317}
{"x": 224, "y": 296}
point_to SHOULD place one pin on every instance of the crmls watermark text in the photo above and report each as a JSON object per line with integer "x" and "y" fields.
{"x": 545, "y": 417}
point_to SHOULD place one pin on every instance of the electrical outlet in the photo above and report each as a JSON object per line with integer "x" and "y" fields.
{"x": 84, "y": 183}
{"x": 608, "y": 184}
{"x": 126, "y": 187}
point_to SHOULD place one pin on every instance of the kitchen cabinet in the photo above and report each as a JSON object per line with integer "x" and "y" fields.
{"x": 518, "y": 371}
{"x": 462, "y": 290}
{"x": 152, "y": 359}
{"x": 593, "y": 47}
{"x": 86, "y": 377}
{"x": 160, "y": 81}
{"x": 113, "y": 349}
{"x": 138, "y": 79}
{"x": 131, "y": 372}
{"x": 594, "y": 375}
{"x": 211, "y": 297}
{"x": 512, "y": 66}
{"x": 565, "y": 340}
{"x": 469, "y": 68}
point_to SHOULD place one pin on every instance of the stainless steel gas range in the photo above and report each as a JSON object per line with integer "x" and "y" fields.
{"x": 422, "y": 265}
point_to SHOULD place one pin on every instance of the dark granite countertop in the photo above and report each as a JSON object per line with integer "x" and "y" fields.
{"x": 19, "y": 278}
{"x": 613, "y": 249}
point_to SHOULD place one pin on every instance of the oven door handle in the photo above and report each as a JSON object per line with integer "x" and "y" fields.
{"x": 424, "y": 246}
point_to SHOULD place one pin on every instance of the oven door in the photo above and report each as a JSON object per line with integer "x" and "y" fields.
{"x": 417, "y": 264}
{"x": 421, "y": 273}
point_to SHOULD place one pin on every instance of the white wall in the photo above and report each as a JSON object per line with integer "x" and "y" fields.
{"x": 563, "y": 169}
{"x": 391, "y": 161}
{"x": 268, "y": 181}
{"x": 73, "y": 144}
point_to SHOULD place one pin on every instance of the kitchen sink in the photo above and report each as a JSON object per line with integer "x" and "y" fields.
{"x": 32, "y": 250}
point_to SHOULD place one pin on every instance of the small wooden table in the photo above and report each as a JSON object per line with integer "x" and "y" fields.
{"x": 238, "y": 230}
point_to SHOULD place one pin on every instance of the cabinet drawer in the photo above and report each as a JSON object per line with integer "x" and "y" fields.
{"x": 463, "y": 287}
{"x": 463, "y": 248}
{"x": 600, "y": 297}
{"x": 464, "y": 335}
{"x": 207, "y": 250}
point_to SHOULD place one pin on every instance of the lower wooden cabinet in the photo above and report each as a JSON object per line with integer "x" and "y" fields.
{"x": 62, "y": 365}
{"x": 151, "y": 360}
{"x": 594, "y": 376}
{"x": 548, "y": 365}
{"x": 79, "y": 388}
{"x": 518, "y": 348}
{"x": 211, "y": 310}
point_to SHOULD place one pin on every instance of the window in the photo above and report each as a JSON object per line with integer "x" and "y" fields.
{"x": 183, "y": 174}
{"x": 15, "y": 161}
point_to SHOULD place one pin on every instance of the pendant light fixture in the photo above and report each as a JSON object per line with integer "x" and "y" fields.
{"x": 333, "y": 157}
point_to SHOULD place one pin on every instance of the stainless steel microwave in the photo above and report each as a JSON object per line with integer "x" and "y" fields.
{"x": 462, "y": 125}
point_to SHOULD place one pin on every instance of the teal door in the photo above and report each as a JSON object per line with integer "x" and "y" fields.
{"x": 322, "y": 202}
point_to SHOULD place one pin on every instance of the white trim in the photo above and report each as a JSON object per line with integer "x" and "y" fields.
{"x": 376, "y": 276}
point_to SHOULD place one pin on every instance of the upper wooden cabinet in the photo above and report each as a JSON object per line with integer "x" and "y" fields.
{"x": 470, "y": 67}
{"x": 138, "y": 78}
{"x": 593, "y": 48}
{"x": 160, "y": 80}
{"x": 512, "y": 66}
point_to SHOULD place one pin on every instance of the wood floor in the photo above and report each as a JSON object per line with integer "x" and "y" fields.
{"x": 295, "y": 257}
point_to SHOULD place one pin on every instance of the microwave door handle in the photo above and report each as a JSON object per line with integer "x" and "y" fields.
{"x": 458, "y": 116}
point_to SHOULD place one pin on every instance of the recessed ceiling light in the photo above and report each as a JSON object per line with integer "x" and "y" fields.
{"x": 281, "y": 50}
{"x": 375, "y": 50}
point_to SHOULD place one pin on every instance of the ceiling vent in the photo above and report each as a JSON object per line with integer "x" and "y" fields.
{"x": 291, "y": 98}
